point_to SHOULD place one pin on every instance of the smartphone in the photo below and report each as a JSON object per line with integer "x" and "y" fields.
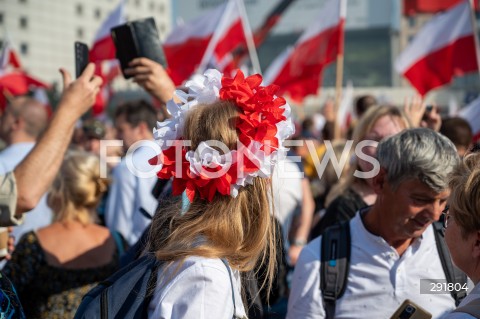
{"x": 125, "y": 46}
{"x": 409, "y": 310}
{"x": 135, "y": 39}
{"x": 81, "y": 58}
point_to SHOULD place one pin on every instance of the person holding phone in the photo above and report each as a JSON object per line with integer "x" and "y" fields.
{"x": 462, "y": 230}
{"x": 153, "y": 77}
{"x": 78, "y": 96}
{"x": 21, "y": 190}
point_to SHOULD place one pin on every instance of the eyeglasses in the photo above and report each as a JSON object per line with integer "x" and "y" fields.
{"x": 446, "y": 216}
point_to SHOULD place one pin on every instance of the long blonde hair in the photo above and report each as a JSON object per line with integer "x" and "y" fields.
{"x": 361, "y": 130}
{"x": 77, "y": 188}
{"x": 239, "y": 229}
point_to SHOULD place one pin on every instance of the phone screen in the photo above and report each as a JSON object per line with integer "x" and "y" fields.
{"x": 81, "y": 58}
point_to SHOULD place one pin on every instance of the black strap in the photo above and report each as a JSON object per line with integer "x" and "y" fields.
{"x": 335, "y": 264}
{"x": 145, "y": 214}
{"x": 452, "y": 273}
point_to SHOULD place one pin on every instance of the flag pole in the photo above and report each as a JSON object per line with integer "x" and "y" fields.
{"x": 338, "y": 94}
{"x": 249, "y": 37}
{"x": 339, "y": 68}
{"x": 213, "y": 41}
{"x": 474, "y": 26}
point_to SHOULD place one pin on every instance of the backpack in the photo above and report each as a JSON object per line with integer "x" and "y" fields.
{"x": 10, "y": 306}
{"x": 128, "y": 292}
{"x": 335, "y": 264}
{"x": 125, "y": 294}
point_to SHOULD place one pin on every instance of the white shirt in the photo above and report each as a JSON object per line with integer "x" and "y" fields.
{"x": 472, "y": 295}
{"x": 379, "y": 279}
{"x": 129, "y": 192}
{"x": 287, "y": 195}
{"x": 41, "y": 215}
{"x": 200, "y": 289}
{"x": 12, "y": 155}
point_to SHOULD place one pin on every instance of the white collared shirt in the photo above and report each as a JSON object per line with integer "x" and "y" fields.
{"x": 200, "y": 289}
{"x": 379, "y": 280}
{"x": 129, "y": 192}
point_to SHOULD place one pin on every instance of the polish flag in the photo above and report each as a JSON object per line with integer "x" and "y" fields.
{"x": 445, "y": 47}
{"x": 103, "y": 47}
{"x": 412, "y": 7}
{"x": 259, "y": 36}
{"x": 471, "y": 113}
{"x": 103, "y": 54}
{"x": 298, "y": 69}
{"x": 108, "y": 70}
{"x": 8, "y": 56}
{"x": 185, "y": 47}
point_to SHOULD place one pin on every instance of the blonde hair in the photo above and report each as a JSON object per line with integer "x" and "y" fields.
{"x": 239, "y": 229}
{"x": 77, "y": 188}
{"x": 464, "y": 182}
{"x": 364, "y": 125}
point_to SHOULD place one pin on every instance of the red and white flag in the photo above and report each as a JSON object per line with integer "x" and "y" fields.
{"x": 103, "y": 47}
{"x": 186, "y": 46}
{"x": 298, "y": 70}
{"x": 412, "y": 7}
{"x": 471, "y": 113}
{"x": 107, "y": 70}
{"x": 444, "y": 48}
{"x": 103, "y": 54}
{"x": 8, "y": 57}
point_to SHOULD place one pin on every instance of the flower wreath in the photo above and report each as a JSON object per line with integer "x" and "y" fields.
{"x": 264, "y": 123}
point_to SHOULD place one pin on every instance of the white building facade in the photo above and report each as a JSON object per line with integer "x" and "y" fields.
{"x": 43, "y": 31}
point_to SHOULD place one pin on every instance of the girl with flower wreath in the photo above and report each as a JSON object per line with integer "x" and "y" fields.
{"x": 219, "y": 147}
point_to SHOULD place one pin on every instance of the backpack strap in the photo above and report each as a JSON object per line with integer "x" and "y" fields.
{"x": 152, "y": 264}
{"x": 225, "y": 262}
{"x": 452, "y": 273}
{"x": 335, "y": 264}
{"x": 472, "y": 308}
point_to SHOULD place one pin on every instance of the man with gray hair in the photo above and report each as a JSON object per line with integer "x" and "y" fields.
{"x": 392, "y": 243}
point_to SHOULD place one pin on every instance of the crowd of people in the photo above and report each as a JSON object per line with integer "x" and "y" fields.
{"x": 243, "y": 224}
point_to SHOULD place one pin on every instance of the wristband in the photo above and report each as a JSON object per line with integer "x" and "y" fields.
{"x": 298, "y": 242}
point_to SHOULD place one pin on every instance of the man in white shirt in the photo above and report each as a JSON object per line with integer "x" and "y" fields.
{"x": 293, "y": 201}
{"x": 133, "y": 178}
{"x": 392, "y": 242}
{"x": 21, "y": 124}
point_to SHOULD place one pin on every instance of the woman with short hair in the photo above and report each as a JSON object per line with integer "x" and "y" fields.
{"x": 462, "y": 230}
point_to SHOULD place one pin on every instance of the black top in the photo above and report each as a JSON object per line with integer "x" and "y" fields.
{"x": 47, "y": 291}
{"x": 343, "y": 208}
